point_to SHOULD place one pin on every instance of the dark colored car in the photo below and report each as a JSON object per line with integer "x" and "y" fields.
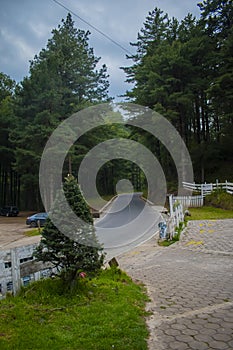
{"x": 9, "y": 210}
{"x": 37, "y": 220}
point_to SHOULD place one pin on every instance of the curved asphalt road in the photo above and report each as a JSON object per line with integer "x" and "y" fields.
{"x": 128, "y": 222}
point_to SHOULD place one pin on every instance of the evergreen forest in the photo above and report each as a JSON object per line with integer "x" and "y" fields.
{"x": 180, "y": 69}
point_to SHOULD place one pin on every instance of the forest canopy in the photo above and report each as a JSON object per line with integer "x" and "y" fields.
{"x": 181, "y": 69}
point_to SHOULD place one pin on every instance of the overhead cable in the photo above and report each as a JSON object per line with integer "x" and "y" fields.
{"x": 93, "y": 27}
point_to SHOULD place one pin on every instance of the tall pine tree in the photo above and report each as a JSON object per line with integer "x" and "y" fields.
{"x": 184, "y": 71}
{"x": 63, "y": 79}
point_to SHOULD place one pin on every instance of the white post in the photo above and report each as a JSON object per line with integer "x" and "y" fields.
{"x": 171, "y": 205}
{"x": 15, "y": 268}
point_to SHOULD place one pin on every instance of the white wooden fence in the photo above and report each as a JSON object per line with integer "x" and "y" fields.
{"x": 189, "y": 201}
{"x": 207, "y": 188}
{"x": 176, "y": 212}
{"x": 171, "y": 220}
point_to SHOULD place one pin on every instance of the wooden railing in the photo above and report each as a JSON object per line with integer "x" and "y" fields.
{"x": 208, "y": 188}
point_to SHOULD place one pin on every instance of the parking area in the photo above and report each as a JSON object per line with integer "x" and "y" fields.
{"x": 12, "y": 231}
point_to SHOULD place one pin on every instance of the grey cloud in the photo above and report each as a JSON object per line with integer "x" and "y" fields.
{"x": 26, "y": 27}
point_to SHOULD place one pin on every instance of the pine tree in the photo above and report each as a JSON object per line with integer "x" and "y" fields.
{"x": 184, "y": 71}
{"x": 217, "y": 16}
{"x": 65, "y": 253}
{"x": 7, "y": 119}
{"x": 63, "y": 79}
{"x": 9, "y": 179}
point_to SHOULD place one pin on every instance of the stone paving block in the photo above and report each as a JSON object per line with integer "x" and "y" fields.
{"x": 184, "y": 338}
{"x": 207, "y": 331}
{"x": 214, "y": 326}
{"x": 167, "y": 339}
{"x": 191, "y": 332}
{"x": 198, "y": 345}
{"x": 218, "y": 345}
{"x": 176, "y": 345}
{"x": 178, "y": 326}
{"x": 196, "y": 327}
{"x": 173, "y": 332}
{"x": 203, "y": 338}
{"x": 222, "y": 337}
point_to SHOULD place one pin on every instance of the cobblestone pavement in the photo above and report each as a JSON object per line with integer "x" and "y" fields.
{"x": 190, "y": 285}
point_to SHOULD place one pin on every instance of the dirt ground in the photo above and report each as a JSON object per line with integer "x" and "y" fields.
{"x": 12, "y": 231}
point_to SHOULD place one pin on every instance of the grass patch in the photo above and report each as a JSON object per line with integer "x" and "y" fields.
{"x": 209, "y": 213}
{"x": 33, "y": 232}
{"x": 103, "y": 313}
{"x": 165, "y": 243}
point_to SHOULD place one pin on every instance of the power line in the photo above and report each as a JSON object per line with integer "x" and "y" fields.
{"x": 93, "y": 27}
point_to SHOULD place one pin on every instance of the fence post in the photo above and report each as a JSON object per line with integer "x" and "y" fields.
{"x": 15, "y": 268}
{"x": 171, "y": 205}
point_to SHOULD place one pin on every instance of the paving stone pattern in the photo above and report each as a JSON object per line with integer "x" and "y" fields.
{"x": 190, "y": 285}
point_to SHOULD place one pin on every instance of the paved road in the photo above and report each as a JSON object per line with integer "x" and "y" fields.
{"x": 191, "y": 287}
{"x": 129, "y": 221}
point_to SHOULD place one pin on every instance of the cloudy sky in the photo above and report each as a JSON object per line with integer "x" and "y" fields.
{"x": 25, "y": 27}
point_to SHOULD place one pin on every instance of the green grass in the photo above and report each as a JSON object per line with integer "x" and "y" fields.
{"x": 103, "y": 313}
{"x": 168, "y": 242}
{"x": 33, "y": 232}
{"x": 209, "y": 213}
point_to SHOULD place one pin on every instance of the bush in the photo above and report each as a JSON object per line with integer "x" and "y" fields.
{"x": 220, "y": 199}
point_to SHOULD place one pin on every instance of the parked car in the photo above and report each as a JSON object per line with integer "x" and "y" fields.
{"x": 9, "y": 210}
{"x": 37, "y": 220}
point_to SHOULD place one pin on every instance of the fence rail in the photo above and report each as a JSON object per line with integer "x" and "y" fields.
{"x": 208, "y": 188}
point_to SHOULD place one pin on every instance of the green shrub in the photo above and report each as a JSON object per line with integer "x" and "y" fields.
{"x": 220, "y": 199}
